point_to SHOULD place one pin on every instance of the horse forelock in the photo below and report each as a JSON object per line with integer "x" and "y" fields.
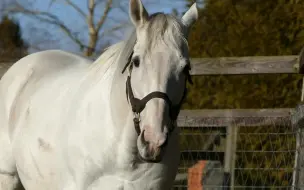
{"x": 165, "y": 29}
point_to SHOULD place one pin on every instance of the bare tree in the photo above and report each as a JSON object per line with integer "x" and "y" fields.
{"x": 97, "y": 17}
{"x": 95, "y": 21}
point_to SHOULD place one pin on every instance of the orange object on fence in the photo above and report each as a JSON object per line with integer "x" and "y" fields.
{"x": 195, "y": 175}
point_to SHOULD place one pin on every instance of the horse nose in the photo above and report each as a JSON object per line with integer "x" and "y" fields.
{"x": 143, "y": 140}
{"x": 161, "y": 142}
{"x": 154, "y": 140}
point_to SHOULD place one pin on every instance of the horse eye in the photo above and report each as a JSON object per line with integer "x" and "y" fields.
{"x": 187, "y": 73}
{"x": 136, "y": 61}
{"x": 187, "y": 68}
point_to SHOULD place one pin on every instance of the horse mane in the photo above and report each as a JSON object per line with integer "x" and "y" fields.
{"x": 117, "y": 54}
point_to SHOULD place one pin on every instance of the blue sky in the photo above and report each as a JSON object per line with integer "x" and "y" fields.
{"x": 36, "y": 32}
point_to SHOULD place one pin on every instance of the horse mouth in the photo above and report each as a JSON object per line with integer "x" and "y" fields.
{"x": 149, "y": 160}
{"x": 147, "y": 154}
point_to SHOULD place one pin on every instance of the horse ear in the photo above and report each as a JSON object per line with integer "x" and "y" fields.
{"x": 191, "y": 16}
{"x": 138, "y": 13}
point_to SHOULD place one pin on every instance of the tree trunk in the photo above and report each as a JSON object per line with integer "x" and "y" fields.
{"x": 92, "y": 44}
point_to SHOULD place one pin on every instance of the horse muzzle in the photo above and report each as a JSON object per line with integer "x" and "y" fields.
{"x": 149, "y": 151}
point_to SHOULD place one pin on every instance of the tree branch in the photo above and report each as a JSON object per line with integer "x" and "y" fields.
{"x": 105, "y": 15}
{"x": 50, "y": 19}
{"x": 94, "y": 27}
{"x": 73, "y": 5}
{"x": 114, "y": 28}
{"x": 90, "y": 17}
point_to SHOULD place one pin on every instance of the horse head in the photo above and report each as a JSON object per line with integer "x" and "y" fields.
{"x": 158, "y": 70}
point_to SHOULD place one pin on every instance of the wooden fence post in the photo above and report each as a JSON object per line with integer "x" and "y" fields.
{"x": 230, "y": 157}
{"x": 233, "y": 150}
{"x": 297, "y": 120}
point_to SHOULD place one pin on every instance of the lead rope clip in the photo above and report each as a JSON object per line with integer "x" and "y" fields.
{"x": 136, "y": 121}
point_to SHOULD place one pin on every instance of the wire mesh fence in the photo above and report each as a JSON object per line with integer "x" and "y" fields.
{"x": 264, "y": 157}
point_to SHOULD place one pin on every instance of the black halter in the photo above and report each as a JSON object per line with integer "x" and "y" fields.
{"x": 138, "y": 105}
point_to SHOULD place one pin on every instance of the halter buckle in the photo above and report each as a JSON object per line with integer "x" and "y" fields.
{"x": 136, "y": 116}
{"x": 136, "y": 121}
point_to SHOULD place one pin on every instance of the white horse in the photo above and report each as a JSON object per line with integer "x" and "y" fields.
{"x": 67, "y": 123}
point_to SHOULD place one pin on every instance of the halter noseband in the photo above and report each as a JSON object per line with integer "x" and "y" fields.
{"x": 138, "y": 105}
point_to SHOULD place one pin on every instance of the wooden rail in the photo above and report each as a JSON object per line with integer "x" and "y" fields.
{"x": 245, "y": 65}
{"x": 235, "y": 65}
{"x": 236, "y": 117}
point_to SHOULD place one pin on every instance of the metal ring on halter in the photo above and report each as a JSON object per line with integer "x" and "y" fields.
{"x": 137, "y": 116}
{"x": 136, "y": 121}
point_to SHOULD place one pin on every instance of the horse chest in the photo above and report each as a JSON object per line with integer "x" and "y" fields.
{"x": 116, "y": 182}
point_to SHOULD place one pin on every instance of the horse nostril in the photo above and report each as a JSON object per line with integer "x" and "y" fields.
{"x": 143, "y": 140}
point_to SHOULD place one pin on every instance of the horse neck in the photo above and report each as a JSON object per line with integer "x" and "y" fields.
{"x": 120, "y": 107}
{"x": 122, "y": 119}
